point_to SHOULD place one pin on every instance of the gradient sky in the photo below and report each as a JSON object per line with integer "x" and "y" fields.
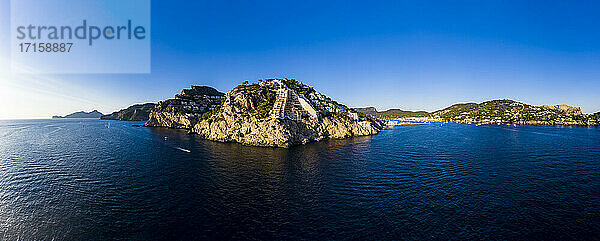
{"x": 413, "y": 55}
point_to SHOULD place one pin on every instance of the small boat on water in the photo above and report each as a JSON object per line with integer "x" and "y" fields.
{"x": 184, "y": 150}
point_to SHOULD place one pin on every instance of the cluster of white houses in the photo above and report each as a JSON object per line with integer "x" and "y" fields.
{"x": 194, "y": 101}
{"x": 519, "y": 113}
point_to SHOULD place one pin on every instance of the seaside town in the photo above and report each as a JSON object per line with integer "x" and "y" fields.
{"x": 193, "y": 102}
{"x": 497, "y": 112}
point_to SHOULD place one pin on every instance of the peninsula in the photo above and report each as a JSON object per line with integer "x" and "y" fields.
{"x": 81, "y": 114}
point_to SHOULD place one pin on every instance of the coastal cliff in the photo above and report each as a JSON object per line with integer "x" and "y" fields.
{"x": 274, "y": 112}
{"x": 170, "y": 119}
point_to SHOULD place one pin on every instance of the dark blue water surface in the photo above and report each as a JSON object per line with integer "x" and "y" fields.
{"x": 81, "y": 180}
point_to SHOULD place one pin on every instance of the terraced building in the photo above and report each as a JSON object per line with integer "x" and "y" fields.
{"x": 291, "y": 105}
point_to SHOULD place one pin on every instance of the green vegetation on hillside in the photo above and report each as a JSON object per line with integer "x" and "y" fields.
{"x": 497, "y": 112}
{"x": 137, "y": 112}
{"x": 266, "y": 105}
{"x": 391, "y": 113}
{"x": 248, "y": 100}
{"x": 397, "y": 113}
{"x": 509, "y": 111}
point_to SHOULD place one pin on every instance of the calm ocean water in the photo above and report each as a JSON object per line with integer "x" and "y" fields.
{"x": 80, "y": 180}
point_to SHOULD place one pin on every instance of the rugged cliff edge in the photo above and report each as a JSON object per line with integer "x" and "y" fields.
{"x": 273, "y": 112}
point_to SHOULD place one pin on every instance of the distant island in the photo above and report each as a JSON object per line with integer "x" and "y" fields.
{"x": 272, "y": 112}
{"x": 81, "y": 114}
{"x": 497, "y": 112}
{"x": 138, "y": 112}
{"x": 392, "y": 113}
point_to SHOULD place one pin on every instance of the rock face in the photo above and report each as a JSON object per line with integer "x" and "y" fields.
{"x": 170, "y": 119}
{"x": 565, "y": 109}
{"x": 247, "y": 116}
{"x": 184, "y": 111}
{"x": 140, "y": 112}
{"x": 81, "y": 114}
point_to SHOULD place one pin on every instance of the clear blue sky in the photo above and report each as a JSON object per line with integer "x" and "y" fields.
{"x": 413, "y": 55}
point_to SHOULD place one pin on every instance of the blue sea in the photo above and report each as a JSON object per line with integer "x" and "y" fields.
{"x": 78, "y": 179}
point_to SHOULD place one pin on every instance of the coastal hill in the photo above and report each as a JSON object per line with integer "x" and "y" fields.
{"x": 139, "y": 112}
{"x": 392, "y": 113}
{"x": 186, "y": 108}
{"x": 513, "y": 112}
{"x": 501, "y": 112}
{"x": 273, "y": 112}
{"x": 81, "y": 114}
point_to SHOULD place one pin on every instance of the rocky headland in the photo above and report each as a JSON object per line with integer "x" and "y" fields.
{"x": 273, "y": 112}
